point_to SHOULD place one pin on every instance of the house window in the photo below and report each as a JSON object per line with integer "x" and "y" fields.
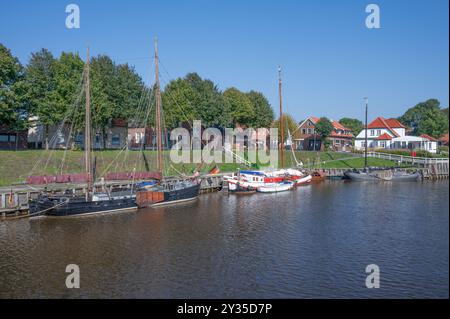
{"x": 115, "y": 140}
{"x": 403, "y": 144}
{"x": 382, "y": 144}
{"x": 4, "y": 138}
{"x": 378, "y": 132}
{"x": 429, "y": 146}
{"x": 304, "y": 131}
{"x": 363, "y": 144}
{"x": 309, "y": 131}
{"x": 372, "y": 132}
{"x": 12, "y": 138}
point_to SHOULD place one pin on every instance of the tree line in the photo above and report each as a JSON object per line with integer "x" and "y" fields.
{"x": 49, "y": 86}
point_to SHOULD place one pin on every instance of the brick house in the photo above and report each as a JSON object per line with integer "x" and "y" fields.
{"x": 115, "y": 135}
{"x": 306, "y": 138}
{"x": 11, "y": 139}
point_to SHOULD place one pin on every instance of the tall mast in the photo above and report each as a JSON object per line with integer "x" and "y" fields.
{"x": 87, "y": 130}
{"x": 365, "y": 148}
{"x": 281, "y": 118}
{"x": 160, "y": 164}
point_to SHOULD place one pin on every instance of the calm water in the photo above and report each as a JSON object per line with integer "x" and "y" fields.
{"x": 312, "y": 242}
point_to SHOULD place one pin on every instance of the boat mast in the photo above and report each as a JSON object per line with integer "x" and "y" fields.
{"x": 158, "y": 111}
{"x": 281, "y": 118}
{"x": 365, "y": 138}
{"x": 87, "y": 131}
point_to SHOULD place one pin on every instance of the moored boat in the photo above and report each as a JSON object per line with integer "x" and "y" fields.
{"x": 276, "y": 187}
{"x": 240, "y": 187}
{"x": 318, "y": 176}
{"x": 78, "y": 206}
{"x": 159, "y": 195}
{"x": 382, "y": 175}
{"x": 302, "y": 180}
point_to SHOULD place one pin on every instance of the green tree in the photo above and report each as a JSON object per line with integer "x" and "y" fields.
{"x": 13, "y": 110}
{"x": 178, "y": 100}
{"x": 324, "y": 127}
{"x": 434, "y": 124}
{"x": 211, "y": 108}
{"x": 68, "y": 95}
{"x": 41, "y": 96}
{"x": 240, "y": 107}
{"x": 264, "y": 115}
{"x": 289, "y": 124}
{"x": 129, "y": 90}
{"x": 193, "y": 98}
{"x": 103, "y": 87}
{"x": 420, "y": 118}
{"x": 355, "y": 125}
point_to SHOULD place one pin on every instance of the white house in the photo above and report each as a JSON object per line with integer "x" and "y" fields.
{"x": 391, "y": 134}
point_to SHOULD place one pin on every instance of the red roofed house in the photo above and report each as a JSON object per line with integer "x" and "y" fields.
{"x": 305, "y": 137}
{"x": 443, "y": 140}
{"x": 391, "y": 134}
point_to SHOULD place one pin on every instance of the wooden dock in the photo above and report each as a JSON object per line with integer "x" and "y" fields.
{"x": 14, "y": 199}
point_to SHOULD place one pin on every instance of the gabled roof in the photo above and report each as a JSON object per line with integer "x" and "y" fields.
{"x": 394, "y": 123}
{"x": 381, "y": 122}
{"x": 343, "y": 135}
{"x": 384, "y": 136}
{"x": 339, "y": 126}
{"x": 313, "y": 119}
{"x": 428, "y": 137}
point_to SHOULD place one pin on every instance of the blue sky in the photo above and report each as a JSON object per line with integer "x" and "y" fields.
{"x": 330, "y": 59}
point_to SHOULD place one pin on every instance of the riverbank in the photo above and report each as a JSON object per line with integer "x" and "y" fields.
{"x": 15, "y": 166}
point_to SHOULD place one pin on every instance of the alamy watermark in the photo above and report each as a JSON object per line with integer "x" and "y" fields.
{"x": 73, "y": 279}
{"x": 373, "y": 19}
{"x": 212, "y": 146}
{"x": 373, "y": 279}
{"x": 73, "y": 19}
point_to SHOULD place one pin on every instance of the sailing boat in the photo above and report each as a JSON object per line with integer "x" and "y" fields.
{"x": 368, "y": 174}
{"x": 91, "y": 203}
{"x": 158, "y": 195}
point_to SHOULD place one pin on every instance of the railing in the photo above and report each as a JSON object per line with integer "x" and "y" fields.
{"x": 409, "y": 159}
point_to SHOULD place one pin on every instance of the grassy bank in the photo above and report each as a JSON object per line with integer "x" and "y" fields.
{"x": 16, "y": 166}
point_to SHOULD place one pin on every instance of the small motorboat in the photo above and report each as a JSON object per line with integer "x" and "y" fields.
{"x": 238, "y": 189}
{"x": 276, "y": 187}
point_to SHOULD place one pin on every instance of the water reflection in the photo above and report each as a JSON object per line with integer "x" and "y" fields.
{"x": 314, "y": 241}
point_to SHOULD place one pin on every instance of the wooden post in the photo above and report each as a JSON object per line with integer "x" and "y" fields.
{"x": 281, "y": 118}
{"x": 160, "y": 163}
{"x": 87, "y": 130}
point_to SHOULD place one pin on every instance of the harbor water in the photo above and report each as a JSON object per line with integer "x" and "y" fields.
{"x": 312, "y": 242}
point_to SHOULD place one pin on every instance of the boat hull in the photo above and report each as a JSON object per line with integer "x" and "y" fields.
{"x": 152, "y": 198}
{"x": 395, "y": 177}
{"x": 275, "y": 188}
{"x": 65, "y": 207}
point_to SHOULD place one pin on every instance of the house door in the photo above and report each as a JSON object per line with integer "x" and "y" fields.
{"x": 315, "y": 147}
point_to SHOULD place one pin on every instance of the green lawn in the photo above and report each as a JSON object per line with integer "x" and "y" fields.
{"x": 16, "y": 166}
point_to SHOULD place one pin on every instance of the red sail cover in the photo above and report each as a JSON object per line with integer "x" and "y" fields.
{"x": 52, "y": 179}
{"x": 132, "y": 175}
{"x": 83, "y": 177}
